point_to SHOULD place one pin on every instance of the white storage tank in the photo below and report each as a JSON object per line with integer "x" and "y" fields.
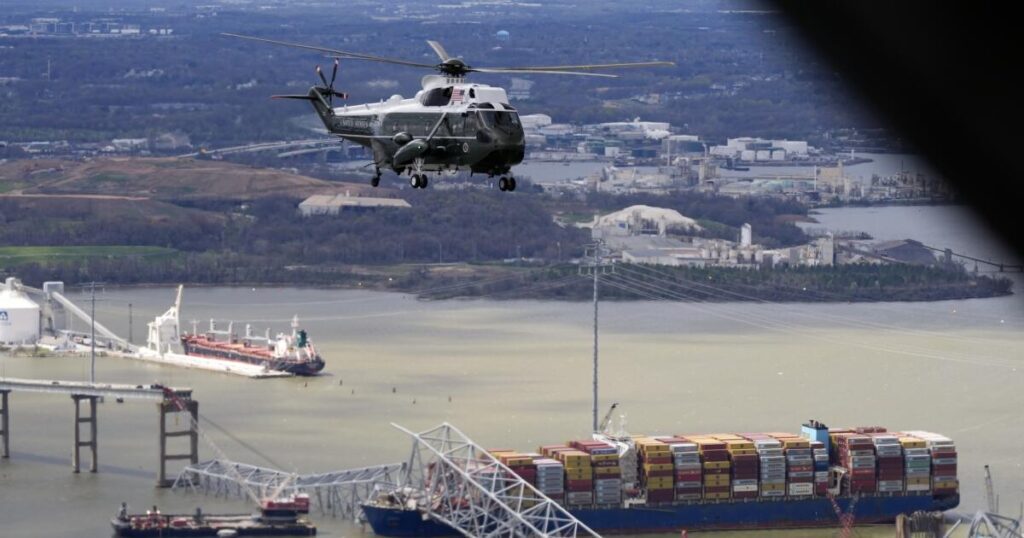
{"x": 19, "y": 316}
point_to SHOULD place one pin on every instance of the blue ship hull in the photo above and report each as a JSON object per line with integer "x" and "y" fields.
{"x": 731, "y": 515}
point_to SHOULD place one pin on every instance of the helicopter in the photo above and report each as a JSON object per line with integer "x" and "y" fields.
{"x": 449, "y": 125}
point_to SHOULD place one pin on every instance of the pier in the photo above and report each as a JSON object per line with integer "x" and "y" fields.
{"x": 85, "y": 395}
{"x": 948, "y": 256}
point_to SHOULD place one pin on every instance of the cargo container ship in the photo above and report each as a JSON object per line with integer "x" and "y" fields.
{"x": 279, "y": 517}
{"x": 292, "y": 353}
{"x": 652, "y": 484}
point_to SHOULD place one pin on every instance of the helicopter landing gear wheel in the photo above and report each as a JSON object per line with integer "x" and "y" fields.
{"x": 418, "y": 181}
{"x": 375, "y": 181}
{"x": 511, "y": 183}
{"x": 503, "y": 184}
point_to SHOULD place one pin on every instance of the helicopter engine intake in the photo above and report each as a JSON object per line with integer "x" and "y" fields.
{"x": 410, "y": 151}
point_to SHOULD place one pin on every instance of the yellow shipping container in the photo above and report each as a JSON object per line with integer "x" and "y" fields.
{"x": 607, "y": 470}
{"x": 604, "y": 457}
{"x": 772, "y": 487}
{"x": 660, "y": 483}
{"x": 919, "y": 481}
{"x": 648, "y": 467}
{"x": 575, "y": 458}
{"x": 722, "y": 495}
{"x": 716, "y": 464}
{"x": 740, "y": 444}
{"x": 579, "y": 473}
{"x": 912, "y": 442}
{"x": 659, "y": 448}
{"x": 795, "y": 443}
{"x": 743, "y": 451}
{"x": 945, "y": 484}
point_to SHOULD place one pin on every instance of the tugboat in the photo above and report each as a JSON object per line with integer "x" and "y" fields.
{"x": 278, "y": 517}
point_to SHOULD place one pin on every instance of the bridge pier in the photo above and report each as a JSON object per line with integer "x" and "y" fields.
{"x": 91, "y": 443}
{"x": 166, "y": 408}
{"x": 5, "y": 425}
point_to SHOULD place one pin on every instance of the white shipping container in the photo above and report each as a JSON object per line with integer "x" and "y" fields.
{"x": 579, "y": 497}
{"x": 800, "y": 489}
{"x": 743, "y": 489}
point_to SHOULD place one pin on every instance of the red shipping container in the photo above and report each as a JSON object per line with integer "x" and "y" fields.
{"x": 657, "y": 459}
{"x": 529, "y": 474}
{"x": 660, "y": 495}
{"x": 579, "y": 485}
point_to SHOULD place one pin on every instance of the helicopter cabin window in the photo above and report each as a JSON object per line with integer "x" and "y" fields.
{"x": 469, "y": 128}
{"x": 437, "y": 96}
{"x": 453, "y": 125}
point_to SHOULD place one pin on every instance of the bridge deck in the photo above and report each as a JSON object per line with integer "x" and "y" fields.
{"x": 136, "y": 392}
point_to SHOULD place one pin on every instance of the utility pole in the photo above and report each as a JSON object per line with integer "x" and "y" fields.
{"x": 596, "y": 265}
{"x": 92, "y": 336}
{"x": 131, "y": 339}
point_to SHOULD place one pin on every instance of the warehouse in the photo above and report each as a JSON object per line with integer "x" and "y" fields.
{"x": 333, "y": 204}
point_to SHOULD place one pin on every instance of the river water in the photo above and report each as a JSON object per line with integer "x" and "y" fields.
{"x": 518, "y": 374}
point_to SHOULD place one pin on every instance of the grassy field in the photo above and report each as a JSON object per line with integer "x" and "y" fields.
{"x": 19, "y": 255}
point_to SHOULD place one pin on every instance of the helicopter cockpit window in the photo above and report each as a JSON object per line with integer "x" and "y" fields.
{"x": 501, "y": 120}
{"x": 437, "y": 96}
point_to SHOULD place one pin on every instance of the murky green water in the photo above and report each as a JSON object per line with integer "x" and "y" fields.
{"x": 518, "y": 375}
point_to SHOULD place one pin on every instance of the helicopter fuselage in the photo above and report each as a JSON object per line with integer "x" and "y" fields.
{"x": 449, "y": 125}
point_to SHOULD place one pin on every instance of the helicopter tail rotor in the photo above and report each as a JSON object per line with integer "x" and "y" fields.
{"x": 328, "y": 87}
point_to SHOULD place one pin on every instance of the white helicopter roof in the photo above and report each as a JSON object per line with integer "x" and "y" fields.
{"x": 463, "y": 95}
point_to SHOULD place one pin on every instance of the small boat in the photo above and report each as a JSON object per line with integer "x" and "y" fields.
{"x": 278, "y": 517}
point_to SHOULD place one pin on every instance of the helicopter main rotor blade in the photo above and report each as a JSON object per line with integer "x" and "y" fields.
{"x": 441, "y": 53}
{"x": 539, "y": 72}
{"x": 334, "y": 74}
{"x": 333, "y": 52}
{"x": 586, "y": 67}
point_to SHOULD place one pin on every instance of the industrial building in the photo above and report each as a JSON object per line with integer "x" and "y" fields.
{"x": 19, "y": 315}
{"x": 759, "y": 149}
{"x": 333, "y": 204}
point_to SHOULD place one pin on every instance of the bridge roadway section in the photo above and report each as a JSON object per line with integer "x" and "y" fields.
{"x": 169, "y": 400}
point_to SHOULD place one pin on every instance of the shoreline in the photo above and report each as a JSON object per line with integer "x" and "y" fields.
{"x": 482, "y": 285}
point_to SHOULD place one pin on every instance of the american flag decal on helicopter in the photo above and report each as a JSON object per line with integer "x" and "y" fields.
{"x": 456, "y": 95}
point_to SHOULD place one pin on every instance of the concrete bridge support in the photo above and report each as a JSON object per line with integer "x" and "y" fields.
{"x": 165, "y": 408}
{"x": 91, "y": 443}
